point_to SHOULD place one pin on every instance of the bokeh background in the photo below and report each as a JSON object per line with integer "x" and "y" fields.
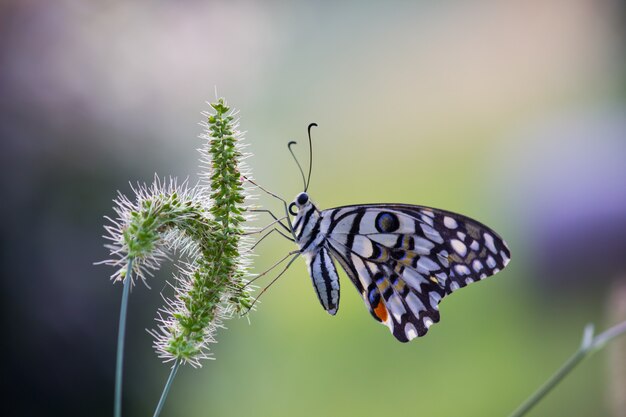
{"x": 510, "y": 112}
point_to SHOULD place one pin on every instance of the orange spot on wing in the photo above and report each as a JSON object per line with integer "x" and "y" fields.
{"x": 381, "y": 311}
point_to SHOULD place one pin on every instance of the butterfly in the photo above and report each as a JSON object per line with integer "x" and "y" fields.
{"x": 403, "y": 259}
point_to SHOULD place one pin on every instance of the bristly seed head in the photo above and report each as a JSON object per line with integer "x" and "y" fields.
{"x": 203, "y": 224}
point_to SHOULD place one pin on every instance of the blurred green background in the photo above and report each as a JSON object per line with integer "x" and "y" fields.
{"x": 509, "y": 112}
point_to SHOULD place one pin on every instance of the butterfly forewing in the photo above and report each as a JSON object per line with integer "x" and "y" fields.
{"x": 404, "y": 259}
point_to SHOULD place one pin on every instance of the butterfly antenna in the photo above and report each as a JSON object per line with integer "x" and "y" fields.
{"x": 308, "y": 180}
{"x": 293, "y": 142}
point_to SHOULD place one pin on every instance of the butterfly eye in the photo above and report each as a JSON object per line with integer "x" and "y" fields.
{"x": 291, "y": 209}
{"x": 302, "y": 199}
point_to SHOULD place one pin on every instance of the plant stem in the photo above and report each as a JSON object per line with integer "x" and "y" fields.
{"x": 117, "y": 411}
{"x": 166, "y": 389}
{"x": 551, "y": 383}
{"x": 588, "y": 346}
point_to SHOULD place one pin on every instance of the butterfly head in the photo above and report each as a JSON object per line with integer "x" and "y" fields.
{"x": 300, "y": 203}
{"x": 305, "y": 222}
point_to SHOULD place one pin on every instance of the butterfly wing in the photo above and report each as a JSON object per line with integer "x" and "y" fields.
{"x": 404, "y": 259}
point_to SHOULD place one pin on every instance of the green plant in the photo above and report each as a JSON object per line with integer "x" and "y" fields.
{"x": 204, "y": 226}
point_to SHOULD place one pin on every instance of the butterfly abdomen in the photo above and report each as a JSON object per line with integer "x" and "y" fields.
{"x": 310, "y": 233}
{"x": 324, "y": 277}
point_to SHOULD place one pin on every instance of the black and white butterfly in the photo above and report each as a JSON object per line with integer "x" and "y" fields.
{"x": 403, "y": 259}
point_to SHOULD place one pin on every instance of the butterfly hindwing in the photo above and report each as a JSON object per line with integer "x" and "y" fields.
{"x": 404, "y": 259}
{"x": 406, "y": 312}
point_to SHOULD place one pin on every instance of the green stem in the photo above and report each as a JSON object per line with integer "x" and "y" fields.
{"x": 551, "y": 383}
{"x": 166, "y": 389}
{"x": 117, "y": 412}
{"x": 588, "y": 346}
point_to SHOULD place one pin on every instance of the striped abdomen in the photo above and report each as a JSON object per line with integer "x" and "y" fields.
{"x": 312, "y": 240}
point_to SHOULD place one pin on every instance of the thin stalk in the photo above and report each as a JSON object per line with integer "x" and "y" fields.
{"x": 588, "y": 346}
{"x": 551, "y": 383}
{"x": 166, "y": 389}
{"x": 117, "y": 409}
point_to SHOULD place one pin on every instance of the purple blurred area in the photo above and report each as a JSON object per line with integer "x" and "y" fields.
{"x": 523, "y": 97}
{"x": 571, "y": 183}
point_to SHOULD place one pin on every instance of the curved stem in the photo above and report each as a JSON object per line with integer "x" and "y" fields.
{"x": 117, "y": 408}
{"x": 608, "y": 335}
{"x": 588, "y": 346}
{"x": 166, "y": 389}
{"x": 550, "y": 383}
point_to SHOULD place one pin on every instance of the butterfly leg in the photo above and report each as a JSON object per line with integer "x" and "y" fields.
{"x": 295, "y": 252}
{"x": 266, "y": 235}
{"x": 261, "y": 230}
{"x": 273, "y": 216}
{"x": 285, "y": 205}
{"x": 294, "y": 255}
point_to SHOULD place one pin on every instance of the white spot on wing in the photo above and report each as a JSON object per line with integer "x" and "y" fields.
{"x": 413, "y": 279}
{"x": 341, "y": 238}
{"x": 422, "y": 246}
{"x": 427, "y": 322}
{"x": 410, "y": 331}
{"x": 415, "y": 304}
{"x": 368, "y": 222}
{"x": 407, "y": 224}
{"x": 454, "y": 286}
{"x": 505, "y": 259}
{"x": 434, "y": 299}
{"x": 475, "y": 246}
{"x": 344, "y": 225}
{"x": 363, "y": 246}
{"x": 395, "y": 307}
{"x": 361, "y": 270}
{"x": 443, "y": 258}
{"x": 491, "y": 263}
{"x": 449, "y": 222}
{"x": 489, "y": 242}
{"x": 459, "y": 247}
{"x": 431, "y": 233}
{"x": 386, "y": 239}
{"x": 462, "y": 269}
{"x": 477, "y": 265}
{"x": 325, "y": 223}
{"x": 425, "y": 265}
